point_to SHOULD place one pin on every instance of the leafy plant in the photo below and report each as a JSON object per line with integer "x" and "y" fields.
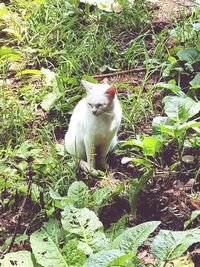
{"x": 45, "y": 245}
{"x": 51, "y": 244}
{"x": 179, "y": 110}
{"x": 19, "y": 259}
{"x": 169, "y": 245}
{"x": 194, "y": 216}
{"x": 137, "y": 185}
{"x": 85, "y": 224}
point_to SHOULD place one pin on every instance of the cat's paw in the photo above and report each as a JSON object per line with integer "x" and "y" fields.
{"x": 88, "y": 169}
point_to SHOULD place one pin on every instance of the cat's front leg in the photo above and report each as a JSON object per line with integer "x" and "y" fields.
{"x": 89, "y": 166}
{"x": 102, "y": 156}
{"x": 89, "y": 149}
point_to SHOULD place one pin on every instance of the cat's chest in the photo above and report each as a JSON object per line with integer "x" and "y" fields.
{"x": 102, "y": 128}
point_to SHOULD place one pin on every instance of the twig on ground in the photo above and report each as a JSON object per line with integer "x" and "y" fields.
{"x": 136, "y": 70}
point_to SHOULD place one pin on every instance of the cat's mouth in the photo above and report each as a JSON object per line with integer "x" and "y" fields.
{"x": 96, "y": 114}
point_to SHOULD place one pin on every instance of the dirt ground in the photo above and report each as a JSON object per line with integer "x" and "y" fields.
{"x": 169, "y": 11}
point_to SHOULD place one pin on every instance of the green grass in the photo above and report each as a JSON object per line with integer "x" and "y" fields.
{"x": 59, "y": 36}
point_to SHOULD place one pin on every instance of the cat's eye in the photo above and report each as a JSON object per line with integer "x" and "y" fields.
{"x": 99, "y": 105}
{"x": 90, "y": 105}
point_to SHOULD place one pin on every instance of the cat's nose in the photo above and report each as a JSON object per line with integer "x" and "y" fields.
{"x": 94, "y": 111}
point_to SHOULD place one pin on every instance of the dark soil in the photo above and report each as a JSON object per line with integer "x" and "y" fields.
{"x": 24, "y": 217}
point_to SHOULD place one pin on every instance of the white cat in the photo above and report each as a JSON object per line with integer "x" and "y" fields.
{"x": 93, "y": 127}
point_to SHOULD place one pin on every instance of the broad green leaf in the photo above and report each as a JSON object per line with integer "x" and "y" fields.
{"x": 126, "y": 260}
{"x": 172, "y": 59}
{"x": 187, "y": 125}
{"x": 10, "y": 173}
{"x": 86, "y": 226}
{"x": 35, "y": 192}
{"x": 101, "y": 196}
{"x": 117, "y": 228}
{"x": 103, "y": 258}
{"x": 17, "y": 259}
{"x": 167, "y": 129}
{"x": 190, "y": 55}
{"x": 133, "y": 142}
{"x": 55, "y": 230}
{"x": 151, "y": 145}
{"x": 157, "y": 122}
{"x": 54, "y": 194}
{"x": 167, "y": 71}
{"x": 49, "y": 101}
{"x": 73, "y": 99}
{"x": 194, "y": 215}
{"x": 180, "y": 262}
{"x": 180, "y": 108}
{"x": 169, "y": 245}
{"x": 119, "y": 188}
{"x": 78, "y": 192}
{"x": 136, "y": 186}
{"x": 34, "y": 72}
{"x": 172, "y": 87}
{"x": 45, "y": 247}
{"x": 24, "y": 150}
{"x": 22, "y": 166}
{"x": 137, "y": 161}
{"x": 72, "y": 80}
{"x": 195, "y": 83}
{"x": 49, "y": 76}
{"x": 59, "y": 201}
{"x": 60, "y": 148}
{"x": 132, "y": 238}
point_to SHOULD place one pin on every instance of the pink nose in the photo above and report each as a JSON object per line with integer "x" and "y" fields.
{"x": 94, "y": 111}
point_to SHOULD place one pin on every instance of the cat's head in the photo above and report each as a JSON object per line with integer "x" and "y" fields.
{"x": 99, "y": 97}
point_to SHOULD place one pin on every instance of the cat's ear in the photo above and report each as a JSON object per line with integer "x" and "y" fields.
{"x": 88, "y": 86}
{"x": 111, "y": 91}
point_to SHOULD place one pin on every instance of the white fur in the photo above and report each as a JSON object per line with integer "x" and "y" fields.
{"x": 88, "y": 133}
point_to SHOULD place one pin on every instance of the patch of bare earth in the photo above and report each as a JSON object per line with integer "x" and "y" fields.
{"x": 171, "y": 10}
